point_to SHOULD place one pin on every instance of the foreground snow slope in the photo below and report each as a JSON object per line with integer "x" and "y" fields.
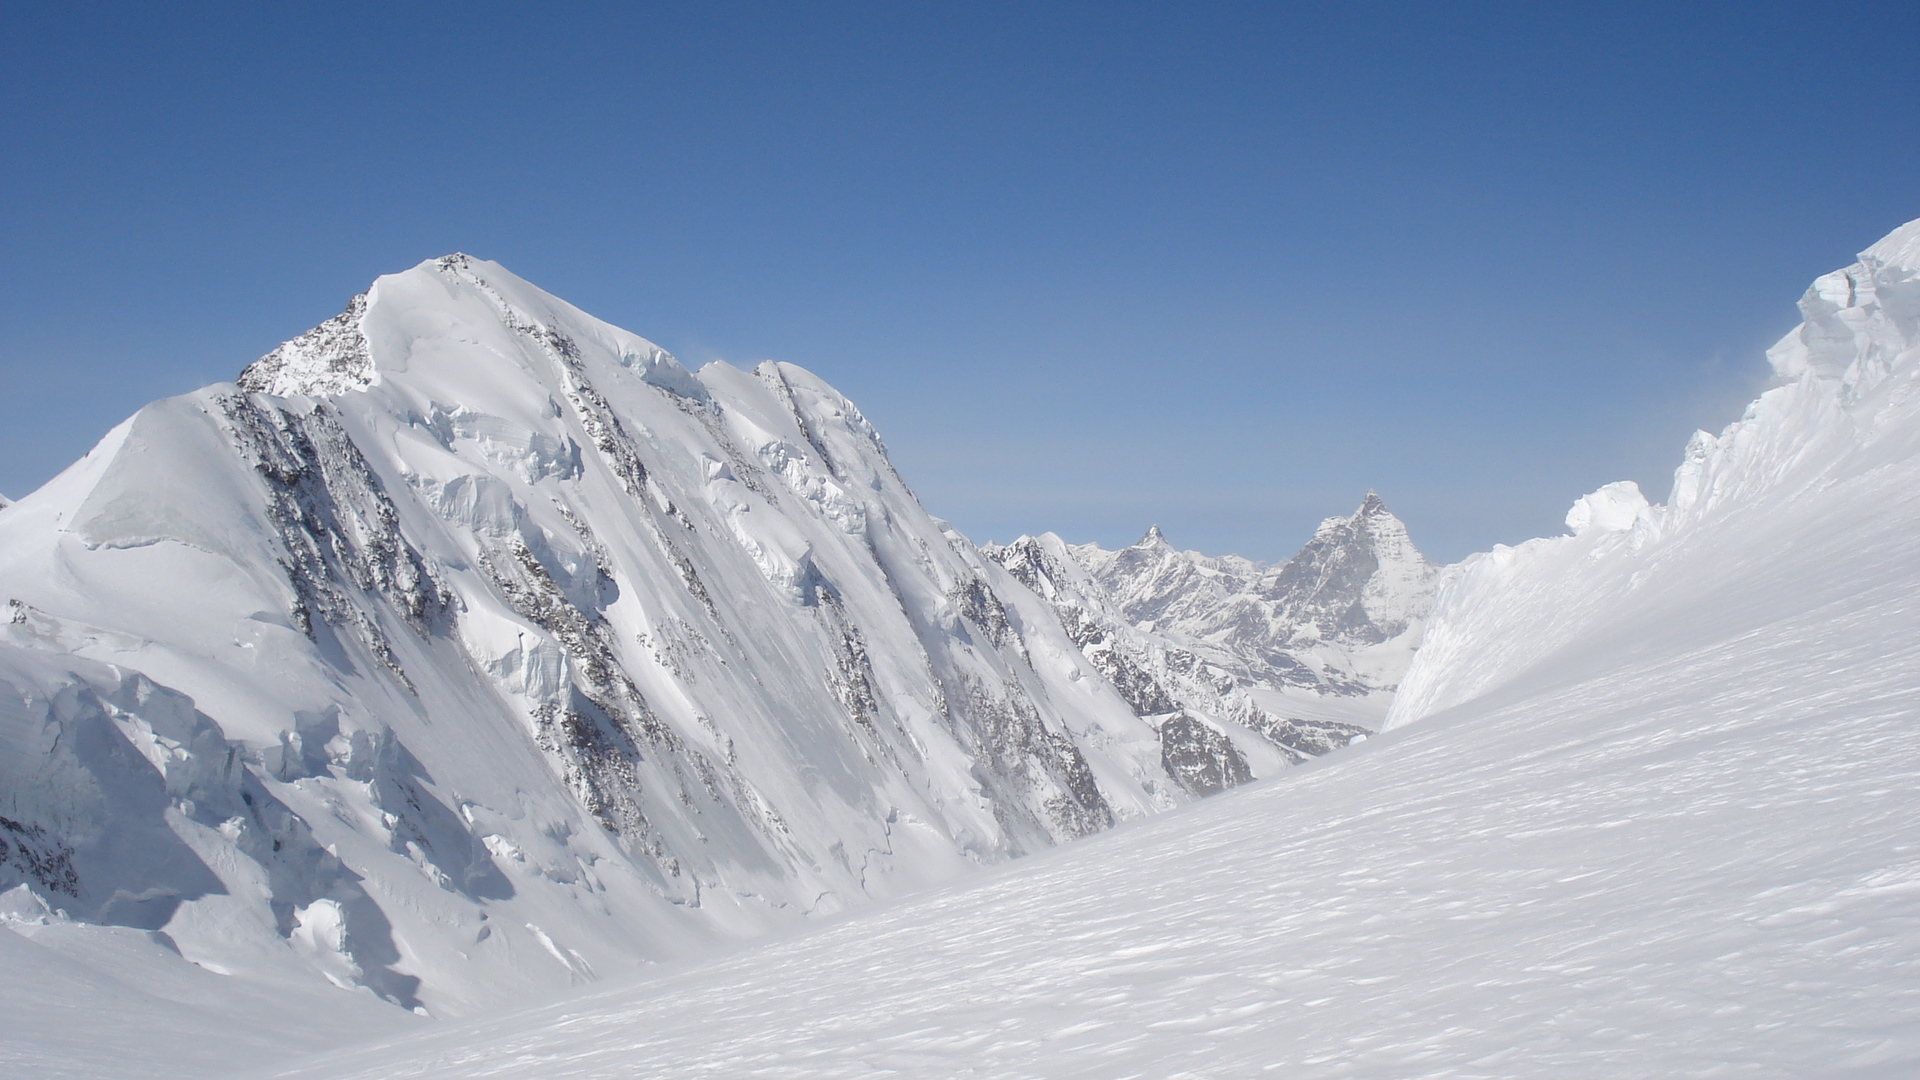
{"x": 1656, "y": 819}
{"x": 1811, "y": 455}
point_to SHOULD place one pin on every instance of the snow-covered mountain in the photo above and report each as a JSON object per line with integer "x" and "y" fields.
{"x": 1645, "y": 808}
{"x": 1642, "y": 807}
{"x": 1306, "y": 652}
{"x": 468, "y": 647}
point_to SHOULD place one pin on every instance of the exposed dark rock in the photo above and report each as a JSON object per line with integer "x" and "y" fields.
{"x": 1200, "y": 757}
{"x": 976, "y": 603}
{"x": 29, "y": 850}
{"x": 339, "y": 533}
{"x": 1014, "y": 744}
{"x": 329, "y": 359}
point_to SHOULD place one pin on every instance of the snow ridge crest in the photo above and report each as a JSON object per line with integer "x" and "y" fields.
{"x": 1849, "y": 380}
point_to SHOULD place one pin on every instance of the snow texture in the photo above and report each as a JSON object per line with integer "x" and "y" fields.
{"x": 1644, "y": 808}
{"x": 469, "y": 648}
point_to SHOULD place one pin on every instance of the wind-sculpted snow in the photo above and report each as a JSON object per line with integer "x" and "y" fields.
{"x": 508, "y": 654}
{"x": 1655, "y": 819}
{"x": 1842, "y": 415}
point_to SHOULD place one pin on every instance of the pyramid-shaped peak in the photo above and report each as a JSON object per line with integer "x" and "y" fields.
{"x": 434, "y": 313}
{"x": 1154, "y": 538}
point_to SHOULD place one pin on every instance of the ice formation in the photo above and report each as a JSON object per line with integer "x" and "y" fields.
{"x": 1840, "y": 417}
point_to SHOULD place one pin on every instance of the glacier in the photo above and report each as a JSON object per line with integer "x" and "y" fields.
{"x": 1643, "y": 807}
{"x": 467, "y": 648}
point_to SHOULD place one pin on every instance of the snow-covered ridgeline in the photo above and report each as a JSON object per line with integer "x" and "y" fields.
{"x": 1506, "y": 618}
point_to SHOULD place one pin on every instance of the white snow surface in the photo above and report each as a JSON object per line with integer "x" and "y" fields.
{"x": 1645, "y": 809}
{"x": 1843, "y": 415}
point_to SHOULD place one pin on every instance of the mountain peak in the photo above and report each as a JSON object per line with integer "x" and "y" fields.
{"x": 466, "y": 526}
{"x": 1154, "y": 538}
{"x": 1360, "y": 579}
{"x": 422, "y": 325}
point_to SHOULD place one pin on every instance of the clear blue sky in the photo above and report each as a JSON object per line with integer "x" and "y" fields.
{"x": 1087, "y": 266}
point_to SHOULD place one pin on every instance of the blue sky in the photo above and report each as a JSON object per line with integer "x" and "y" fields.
{"x": 1088, "y": 267}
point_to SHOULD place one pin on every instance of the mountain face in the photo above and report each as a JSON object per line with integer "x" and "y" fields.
{"x": 467, "y": 646}
{"x": 1306, "y": 653}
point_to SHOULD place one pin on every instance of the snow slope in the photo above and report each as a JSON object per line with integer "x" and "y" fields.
{"x": 1655, "y": 818}
{"x": 1631, "y": 571}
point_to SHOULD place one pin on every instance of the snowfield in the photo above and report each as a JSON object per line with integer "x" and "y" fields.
{"x": 1646, "y": 808}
